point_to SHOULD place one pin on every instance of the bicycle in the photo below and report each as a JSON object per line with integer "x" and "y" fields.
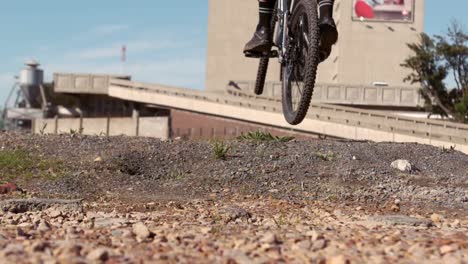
{"x": 296, "y": 39}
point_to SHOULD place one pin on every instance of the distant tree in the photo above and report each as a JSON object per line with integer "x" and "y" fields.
{"x": 433, "y": 60}
{"x": 1, "y": 118}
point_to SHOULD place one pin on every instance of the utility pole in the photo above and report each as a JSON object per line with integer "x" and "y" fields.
{"x": 123, "y": 59}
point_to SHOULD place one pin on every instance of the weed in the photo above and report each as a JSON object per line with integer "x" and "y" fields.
{"x": 42, "y": 130}
{"x": 329, "y": 156}
{"x": 281, "y": 221}
{"x": 260, "y": 136}
{"x": 220, "y": 150}
{"x": 75, "y": 132}
{"x": 176, "y": 174}
{"x": 448, "y": 150}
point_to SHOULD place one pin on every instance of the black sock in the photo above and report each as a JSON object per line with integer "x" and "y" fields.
{"x": 266, "y": 13}
{"x": 326, "y": 8}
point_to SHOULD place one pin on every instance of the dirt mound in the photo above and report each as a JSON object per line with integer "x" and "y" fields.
{"x": 90, "y": 167}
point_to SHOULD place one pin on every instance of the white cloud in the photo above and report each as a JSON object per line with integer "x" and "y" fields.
{"x": 114, "y": 50}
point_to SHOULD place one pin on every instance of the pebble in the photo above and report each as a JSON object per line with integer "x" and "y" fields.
{"x": 448, "y": 249}
{"x": 269, "y": 238}
{"x": 402, "y": 165}
{"x": 436, "y": 218}
{"x": 99, "y": 254}
{"x": 43, "y": 226}
{"x": 319, "y": 244}
{"x": 341, "y": 259}
{"x": 140, "y": 231}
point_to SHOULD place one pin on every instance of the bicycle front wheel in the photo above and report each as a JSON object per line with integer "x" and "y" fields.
{"x": 301, "y": 60}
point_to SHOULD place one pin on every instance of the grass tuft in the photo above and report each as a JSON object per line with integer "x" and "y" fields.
{"x": 260, "y": 136}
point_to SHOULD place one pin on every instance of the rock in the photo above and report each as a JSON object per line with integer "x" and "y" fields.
{"x": 456, "y": 224}
{"x": 21, "y": 233}
{"x": 205, "y": 230}
{"x": 141, "y": 231}
{"x": 238, "y": 257}
{"x": 436, "y": 218}
{"x": 40, "y": 246}
{"x": 54, "y": 212}
{"x": 13, "y": 249}
{"x": 98, "y": 159}
{"x": 68, "y": 249}
{"x": 232, "y": 213}
{"x": 319, "y": 244}
{"x": 43, "y": 226}
{"x": 448, "y": 249}
{"x": 338, "y": 260}
{"x": 269, "y": 238}
{"x": 304, "y": 245}
{"x": 417, "y": 250}
{"x": 117, "y": 233}
{"x": 395, "y": 208}
{"x": 402, "y": 165}
{"x": 99, "y": 254}
{"x": 314, "y": 235}
{"x": 107, "y": 222}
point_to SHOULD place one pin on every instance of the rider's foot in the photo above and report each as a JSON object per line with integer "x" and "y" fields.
{"x": 328, "y": 36}
{"x": 260, "y": 44}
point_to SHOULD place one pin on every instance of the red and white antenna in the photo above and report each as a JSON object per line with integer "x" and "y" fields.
{"x": 123, "y": 58}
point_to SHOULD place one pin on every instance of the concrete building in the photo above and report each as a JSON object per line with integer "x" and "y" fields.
{"x": 369, "y": 51}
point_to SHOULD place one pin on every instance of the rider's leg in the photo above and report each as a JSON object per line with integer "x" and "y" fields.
{"x": 261, "y": 40}
{"x": 328, "y": 31}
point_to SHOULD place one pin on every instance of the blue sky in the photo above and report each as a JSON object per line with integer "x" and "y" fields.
{"x": 166, "y": 40}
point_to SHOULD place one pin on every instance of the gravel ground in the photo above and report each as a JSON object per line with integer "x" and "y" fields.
{"x": 145, "y": 200}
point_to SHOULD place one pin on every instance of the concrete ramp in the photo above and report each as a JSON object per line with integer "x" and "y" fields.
{"x": 336, "y": 121}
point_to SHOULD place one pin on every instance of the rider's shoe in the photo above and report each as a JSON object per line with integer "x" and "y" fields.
{"x": 328, "y": 36}
{"x": 260, "y": 44}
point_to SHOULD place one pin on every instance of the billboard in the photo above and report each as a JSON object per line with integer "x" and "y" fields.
{"x": 383, "y": 10}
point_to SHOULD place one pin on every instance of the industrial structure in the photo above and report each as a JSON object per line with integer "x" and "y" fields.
{"x": 359, "y": 95}
{"x": 26, "y": 100}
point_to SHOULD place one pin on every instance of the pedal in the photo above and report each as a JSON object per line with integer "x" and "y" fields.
{"x": 274, "y": 54}
{"x": 271, "y": 54}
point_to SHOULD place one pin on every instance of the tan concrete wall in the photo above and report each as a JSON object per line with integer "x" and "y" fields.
{"x": 231, "y": 24}
{"x": 366, "y": 51}
{"x": 94, "y": 126}
{"x": 122, "y": 126}
{"x": 157, "y": 127}
{"x": 154, "y": 127}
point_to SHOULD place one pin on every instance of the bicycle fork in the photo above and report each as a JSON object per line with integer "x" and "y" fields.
{"x": 282, "y": 29}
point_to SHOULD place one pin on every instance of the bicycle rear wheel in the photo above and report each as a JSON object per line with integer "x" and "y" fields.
{"x": 299, "y": 67}
{"x": 264, "y": 61}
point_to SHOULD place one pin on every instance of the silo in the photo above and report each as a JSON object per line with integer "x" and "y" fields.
{"x": 31, "y": 78}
